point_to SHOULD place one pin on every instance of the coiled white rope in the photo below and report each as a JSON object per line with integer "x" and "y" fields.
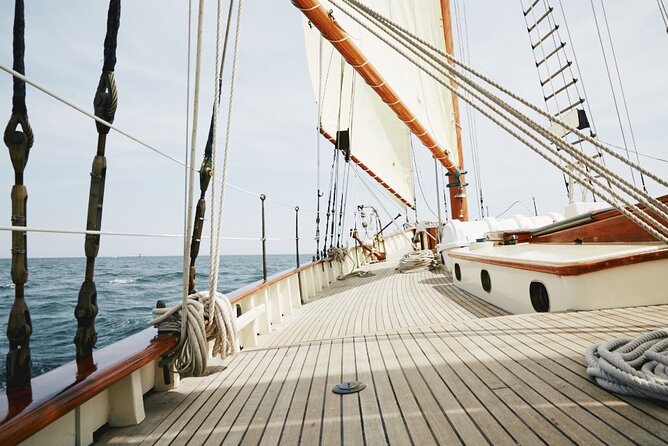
{"x": 418, "y": 260}
{"x": 637, "y": 367}
{"x": 190, "y": 358}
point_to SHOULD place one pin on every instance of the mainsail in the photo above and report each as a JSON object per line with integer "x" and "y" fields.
{"x": 379, "y": 140}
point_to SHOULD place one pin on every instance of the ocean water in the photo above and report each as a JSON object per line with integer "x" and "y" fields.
{"x": 127, "y": 290}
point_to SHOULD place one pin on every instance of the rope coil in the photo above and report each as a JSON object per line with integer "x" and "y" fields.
{"x": 206, "y": 320}
{"x": 418, "y": 260}
{"x": 636, "y": 367}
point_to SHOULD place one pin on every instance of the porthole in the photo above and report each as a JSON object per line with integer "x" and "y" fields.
{"x": 485, "y": 281}
{"x": 458, "y": 272}
{"x": 540, "y": 300}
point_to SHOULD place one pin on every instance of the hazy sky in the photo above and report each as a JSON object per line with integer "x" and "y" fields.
{"x": 274, "y": 119}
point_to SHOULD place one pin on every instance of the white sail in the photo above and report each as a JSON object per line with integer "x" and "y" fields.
{"x": 378, "y": 138}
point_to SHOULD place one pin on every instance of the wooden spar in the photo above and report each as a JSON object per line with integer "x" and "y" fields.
{"x": 458, "y": 205}
{"x": 370, "y": 172}
{"x": 331, "y": 31}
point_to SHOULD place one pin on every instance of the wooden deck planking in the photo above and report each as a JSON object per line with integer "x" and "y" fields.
{"x": 315, "y": 403}
{"x": 210, "y": 404}
{"x": 621, "y": 419}
{"x": 279, "y": 413}
{"x": 441, "y": 367}
{"x": 294, "y": 422}
{"x": 537, "y": 392}
{"x": 388, "y": 300}
{"x": 351, "y": 412}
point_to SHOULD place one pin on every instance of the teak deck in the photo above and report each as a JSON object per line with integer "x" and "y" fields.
{"x": 441, "y": 367}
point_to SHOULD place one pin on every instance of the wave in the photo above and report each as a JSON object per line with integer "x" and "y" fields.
{"x": 7, "y": 286}
{"x": 121, "y": 281}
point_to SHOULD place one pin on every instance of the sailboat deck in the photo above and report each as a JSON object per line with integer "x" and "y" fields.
{"x": 441, "y": 367}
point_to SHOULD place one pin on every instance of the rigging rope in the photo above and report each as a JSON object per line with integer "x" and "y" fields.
{"x": 612, "y": 87}
{"x": 206, "y": 167}
{"x": 123, "y": 234}
{"x": 346, "y": 172}
{"x": 623, "y": 94}
{"x": 105, "y": 103}
{"x": 664, "y": 13}
{"x": 317, "y": 136}
{"x": 120, "y": 131}
{"x": 19, "y": 325}
{"x": 208, "y": 314}
{"x": 218, "y": 223}
{"x": 364, "y": 180}
{"x": 471, "y": 123}
{"x": 435, "y": 59}
{"x": 551, "y": 74}
{"x": 439, "y": 55}
{"x": 637, "y": 367}
{"x": 417, "y": 176}
{"x": 190, "y": 174}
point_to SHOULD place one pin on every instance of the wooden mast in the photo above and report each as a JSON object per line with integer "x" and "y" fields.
{"x": 458, "y": 205}
{"x": 331, "y": 31}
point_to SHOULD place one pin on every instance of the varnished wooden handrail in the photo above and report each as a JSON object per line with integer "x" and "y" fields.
{"x": 55, "y": 393}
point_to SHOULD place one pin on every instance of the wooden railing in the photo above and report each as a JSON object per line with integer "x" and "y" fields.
{"x": 68, "y": 404}
{"x": 113, "y": 375}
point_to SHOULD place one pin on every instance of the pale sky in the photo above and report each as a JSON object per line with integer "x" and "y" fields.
{"x": 274, "y": 118}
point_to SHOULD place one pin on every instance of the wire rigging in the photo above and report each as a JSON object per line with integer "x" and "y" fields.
{"x": 663, "y": 12}
{"x": 622, "y": 93}
{"x": 205, "y": 171}
{"x": 419, "y": 181}
{"x": 612, "y": 87}
{"x": 471, "y": 116}
{"x": 120, "y": 131}
{"x": 435, "y": 58}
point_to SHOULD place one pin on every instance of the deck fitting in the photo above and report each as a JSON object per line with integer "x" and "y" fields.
{"x": 348, "y": 387}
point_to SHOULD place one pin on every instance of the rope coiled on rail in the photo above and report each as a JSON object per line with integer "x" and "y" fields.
{"x": 206, "y": 321}
{"x": 637, "y": 367}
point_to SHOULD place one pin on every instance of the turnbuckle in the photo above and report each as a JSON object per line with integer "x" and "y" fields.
{"x": 85, "y": 313}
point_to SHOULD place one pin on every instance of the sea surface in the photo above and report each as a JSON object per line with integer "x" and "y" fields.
{"x": 127, "y": 290}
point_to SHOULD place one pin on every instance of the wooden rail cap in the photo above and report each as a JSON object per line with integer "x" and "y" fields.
{"x": 54, "y": 394}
